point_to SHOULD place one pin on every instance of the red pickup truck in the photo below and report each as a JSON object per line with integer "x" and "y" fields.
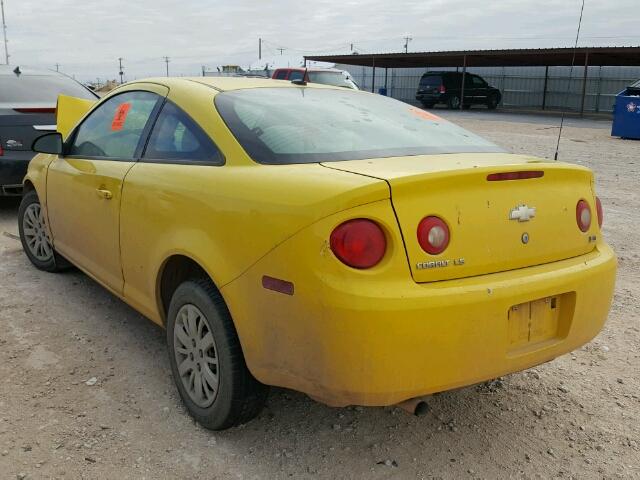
{"x": 327, "y": 76}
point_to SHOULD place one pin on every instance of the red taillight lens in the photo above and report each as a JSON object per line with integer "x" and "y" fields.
{"x": 433, "y": 235}
{"x": 442, "y": 89}
{"x": 599, "y": 212}
{"x": 583, "y": 215}
{"x": 359, "y": 243}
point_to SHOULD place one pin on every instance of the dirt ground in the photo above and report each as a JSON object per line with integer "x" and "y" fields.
{"x": 576, "y": 417}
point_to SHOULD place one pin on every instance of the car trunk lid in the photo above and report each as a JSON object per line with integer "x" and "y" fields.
{"x": 485, "y": 236}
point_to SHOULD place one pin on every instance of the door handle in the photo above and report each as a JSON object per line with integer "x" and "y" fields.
{"x": 106, "y": 194}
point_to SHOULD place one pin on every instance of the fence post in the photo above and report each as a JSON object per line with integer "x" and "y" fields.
{"x": 584, "y": 81}
{"x": 544, "y": 88}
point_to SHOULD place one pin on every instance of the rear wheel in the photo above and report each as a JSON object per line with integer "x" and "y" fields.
{"x": 207, "y": 361}
{"x": 34, "y": 235}
{"x": 453, "y": 102}
{"x": 492, "y": 102}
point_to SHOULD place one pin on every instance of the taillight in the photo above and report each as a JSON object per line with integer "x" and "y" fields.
{"x": 1, "y": 150}
{"x": 433, "y": 235}
{"x": 358, "y": 243}
{"x": 441, "y": 89}
{"x": 583, "y": 215}
{"x": 599, "y": 212}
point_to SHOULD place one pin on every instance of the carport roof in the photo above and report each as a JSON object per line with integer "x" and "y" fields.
{"x": 596, "y": 56}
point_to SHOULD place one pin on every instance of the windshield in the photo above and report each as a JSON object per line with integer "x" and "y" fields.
{"x": 337, "y": 79}
{"x": 39, "y": 89}
{"x": 306, "y": 125}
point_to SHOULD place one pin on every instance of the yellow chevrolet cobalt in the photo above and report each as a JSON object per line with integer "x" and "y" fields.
{"x": 335, "y": 242}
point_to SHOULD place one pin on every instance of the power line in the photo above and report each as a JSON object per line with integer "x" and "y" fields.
{"x": 166, "y": 60}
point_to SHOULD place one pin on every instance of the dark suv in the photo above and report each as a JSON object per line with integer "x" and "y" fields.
{"x": 446, "y": 87}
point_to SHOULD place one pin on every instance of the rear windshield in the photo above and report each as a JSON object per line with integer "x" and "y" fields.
{"x": 306, "y": 125}
{"x": 337, "y": 79}
{"x": 39, "y": 89}
{"x": 431, "y": 81}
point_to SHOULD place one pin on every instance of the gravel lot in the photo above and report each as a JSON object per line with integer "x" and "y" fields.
{"x": 577, "y": 417}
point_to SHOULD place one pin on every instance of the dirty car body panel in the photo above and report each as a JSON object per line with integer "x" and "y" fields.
{"x": 413, "y": 323}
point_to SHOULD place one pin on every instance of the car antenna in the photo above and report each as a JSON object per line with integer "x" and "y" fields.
{"x": 573, "y": 61}
{"x": 301, "y": 81}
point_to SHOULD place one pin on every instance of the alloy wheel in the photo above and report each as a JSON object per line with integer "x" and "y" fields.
{"x": 35, "y": 233}
{"x": 196, "y": 355}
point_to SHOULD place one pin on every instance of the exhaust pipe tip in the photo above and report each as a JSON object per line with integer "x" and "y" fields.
{"x": 415, "y": 406}
{"x": 422, "y": 408}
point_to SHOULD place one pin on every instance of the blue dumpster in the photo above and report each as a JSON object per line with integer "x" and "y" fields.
{"x": 626, "y": 113}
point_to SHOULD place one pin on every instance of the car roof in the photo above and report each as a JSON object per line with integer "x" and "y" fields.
{"x": 224, "y": 84}
{"x": 10, "y": 70}
{"x": 311, "y": 69}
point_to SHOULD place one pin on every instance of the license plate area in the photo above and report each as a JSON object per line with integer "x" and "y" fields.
{"x": 544, "y": 320}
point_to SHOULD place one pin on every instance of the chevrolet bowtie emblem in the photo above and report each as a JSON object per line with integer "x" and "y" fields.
{"x": 522, "y": 213}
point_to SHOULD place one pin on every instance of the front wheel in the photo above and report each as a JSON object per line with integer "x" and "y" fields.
{"x": 34, "y": 235}
{"x": 207, "y": 361}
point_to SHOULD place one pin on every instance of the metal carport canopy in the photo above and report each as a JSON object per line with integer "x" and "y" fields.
{"x": 595, "y": 56}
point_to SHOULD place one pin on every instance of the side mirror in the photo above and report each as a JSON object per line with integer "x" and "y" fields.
{"x": 48, "y": 143}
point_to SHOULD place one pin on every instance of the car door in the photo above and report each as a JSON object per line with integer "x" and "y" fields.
{"x": 480, "y": 88}
{"x": 161, "y": 193}
{"x": 84, "y": 186}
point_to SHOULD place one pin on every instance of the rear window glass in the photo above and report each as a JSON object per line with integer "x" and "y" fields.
{"x": 337, "y": 79}
{"x": 431, "y": 81}
{"x": 306, "y": 125}
{"x": 40, "y": 89}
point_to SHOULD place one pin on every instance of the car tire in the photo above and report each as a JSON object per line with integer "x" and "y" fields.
{"x": 453, "y": 102}
{"x": 492, "y": 102}
{"x": 34, "y": 236}
{"x": 206, "y": 359}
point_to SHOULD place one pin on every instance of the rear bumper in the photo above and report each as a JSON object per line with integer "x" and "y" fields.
{"x": 13, "y": 168}
{"x": 365, "y": 345}
{"x": 430, "y": 97}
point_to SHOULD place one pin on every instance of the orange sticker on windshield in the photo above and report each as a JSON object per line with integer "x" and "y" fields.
{"x": 120, "y": 116}
{"x": 418, "y": 112}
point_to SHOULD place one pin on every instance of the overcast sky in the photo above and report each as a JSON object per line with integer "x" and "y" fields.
{"x": 86, "y": 37}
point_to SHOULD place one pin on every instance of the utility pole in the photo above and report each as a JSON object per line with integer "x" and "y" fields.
{"x": 259, "y": 49}
{"x": 406, "y": 44}
{"x": 203, "y": 71}
{"x": 4, "y": 32}
{"x": 351, "y": 47}
{"x": 120, "y": 71}
{"x": 57, "y": 67}
{"x": 166, "y": 60}
{"x": 281, "y": 50}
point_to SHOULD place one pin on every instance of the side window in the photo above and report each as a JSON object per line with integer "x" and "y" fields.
{"x": 296, "y": 75}
{"x": 281, "y": 74}
{"x": 478, "y": 82}
{"x": 114, "y": 129}
{"x": 177, "y": 138}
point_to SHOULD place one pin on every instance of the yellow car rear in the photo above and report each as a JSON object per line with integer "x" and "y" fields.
{"x": 329, "y": 241}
